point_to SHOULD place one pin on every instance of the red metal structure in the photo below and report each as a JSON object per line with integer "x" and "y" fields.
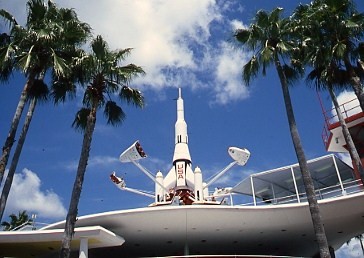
{"x": 332, "y": 134}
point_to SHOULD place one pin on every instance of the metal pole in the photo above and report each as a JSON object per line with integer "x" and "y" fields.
{"x": 295, "y": 185}
{"x": 253, "y": 192}
{"x": 339, "y": 177}
{"x": 273, "y": 193}
{"x": 83, "y": 247}
{"x": 220, "y": 173}
{"x": 149, "y": 174}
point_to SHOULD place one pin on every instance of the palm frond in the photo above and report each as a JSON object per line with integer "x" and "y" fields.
{"x": 275, "y": 15}
{"x": 132, "y": 96}
{"x": 61, "y": 88}
{"x": 60, "y": 66}
{"x": 323, "y": 78}
{"x": 76, "y": 32}
{"x": 314, "y": 79}
{"x": 99, "y": 47}
{"x": 284, "y": 46}
{"x": 94, "y": 96}
{"x": 123, "y": 74}
{"x": 339, "y": 50}
{"x": 122, "y": 54}
{"x": 6, "y": 62}
{"x": 292, "y": 73}
{"x": 36, "y": 12}
{"x": 262, "y": 18}
{"x": 8, "y": 18}
{"x": 39, "y": 90}
{"x": 113, "y": 113}
{"x": 360, "y": 65}
{"x": 250, "y": 70}
{"x": 105, "y": 77}
{"x": 242, "y": 35}
{"x": 266, "y": 55}
{"x": 256, "y": 36}
{"x": 351, "y": 24}
{"x": 25, "y": 60}
{"x": 80, "y": 121}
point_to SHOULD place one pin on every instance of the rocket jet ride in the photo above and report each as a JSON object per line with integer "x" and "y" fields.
{"x": 180, "y": 178}
{"x": 181, "y": 185}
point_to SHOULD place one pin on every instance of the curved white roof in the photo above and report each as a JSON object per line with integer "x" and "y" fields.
{"x": 167, "y": 230}
{"x": 44, "y": 242}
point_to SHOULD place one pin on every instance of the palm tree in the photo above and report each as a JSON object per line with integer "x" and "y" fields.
{"x": 326, "y": 79}
{"x": 46, "y": 43}
{"x": 341, "y": 27}
{"x": 328, "y": 53}
{"x": 16, "y": 222}
{"x": 38, "y": 91}
{"x": 346, "y": 29}
{"x": 269, "y": 37}
{"x": 105, "y": 78}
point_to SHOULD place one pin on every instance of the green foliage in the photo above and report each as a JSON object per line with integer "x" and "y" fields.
{"x": 47, "y": 42}
{"x": 281, "y": 42}
{"x": 270, "y": 38}
{"x": 38, "y": 90}
{"x": 331, "y": 32}
{"x": 8, "y": 18}
{"x": 61, "y": 88}
{"x": 16, "y": 221}
{"x": 242, "y": 36}
{"x": 100, "y": 48}
{"x": 113, "y": 113}
{"x": 132, "y": 96}
{"x": 292, "y": 73}
{"x": 105, "y": 77}
{"x": 250, "y": 70}
{"x": 80, "y": 121}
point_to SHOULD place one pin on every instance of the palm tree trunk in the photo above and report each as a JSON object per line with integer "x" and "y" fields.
{"x": 307, "y": 179}
{"x": 361, "y": 243}
{"x": 14, "y": 161}
{"x": 10, "y": 139}
{"x": 77, "y": 186}
{"x": 355, "y": 82}
{"x": 349, "y": 141}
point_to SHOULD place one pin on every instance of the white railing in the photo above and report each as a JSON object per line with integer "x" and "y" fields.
{"x": 348, "y": 109}
{"x": 350, "y": 187}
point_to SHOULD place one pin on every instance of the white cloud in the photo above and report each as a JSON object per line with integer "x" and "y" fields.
{"x": 26, "y": 194}
{"x": 229, "y": 85}
{"x": 172, "y": 41}
{"x": 93, "y": 161}
{"x": 161, "y": 32}
{"x": 235, "y": 24}
{"x": 102, "y": 160}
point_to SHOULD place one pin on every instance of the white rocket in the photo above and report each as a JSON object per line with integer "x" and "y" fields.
{"x": 181, "y": 181}
{"x": 181, "y": 175}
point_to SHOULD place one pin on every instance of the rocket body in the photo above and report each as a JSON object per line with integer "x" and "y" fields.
{"x": 181, "y": 175}
{"x": 181, "y": 151}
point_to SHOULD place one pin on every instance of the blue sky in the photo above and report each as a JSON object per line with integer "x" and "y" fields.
{"x": 179, "y": 44}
